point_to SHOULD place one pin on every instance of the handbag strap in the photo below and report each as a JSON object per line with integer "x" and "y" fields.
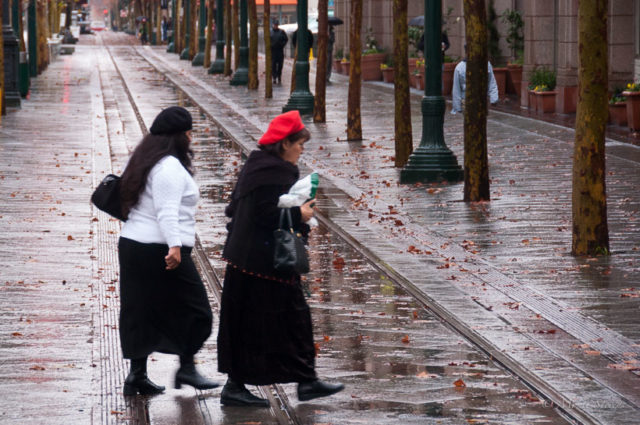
{"x": 286, "y": 212}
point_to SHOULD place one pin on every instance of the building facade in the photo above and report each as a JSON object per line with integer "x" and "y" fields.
{"x": 550, "y": 34}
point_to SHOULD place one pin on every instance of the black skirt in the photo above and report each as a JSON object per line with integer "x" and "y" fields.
{"x": 161, "y": 310}
{"x": 265, "y": 334}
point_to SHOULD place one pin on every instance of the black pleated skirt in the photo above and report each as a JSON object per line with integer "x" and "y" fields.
{"x": 161, "y": 310}
{"x": 265, "y": 334}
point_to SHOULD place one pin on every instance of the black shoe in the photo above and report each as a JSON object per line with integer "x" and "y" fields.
{"x": 187, "y": 374}
{"x": 315, "y": 389}
{"x": 234, "y": 394}
{"x": 137, "y": 381}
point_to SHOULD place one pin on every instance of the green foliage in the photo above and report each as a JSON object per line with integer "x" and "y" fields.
{"x": 542, "y": 79}
{"x": 371, "y": 44}
{"x": 445, "y": 20}
{"x": 339, "y": 53}
{"x": 414, "y": 38}
{"x": 494, "y": 35}
{"x": 515, "y": 37}
{"x": 617, "y": 96}
{"x": 450, "y": 59}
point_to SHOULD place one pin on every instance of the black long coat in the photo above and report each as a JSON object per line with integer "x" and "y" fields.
{"x": 265, "y": 334}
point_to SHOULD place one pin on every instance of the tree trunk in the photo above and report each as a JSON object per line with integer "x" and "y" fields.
{"x": 43, "y": 48}
{"x": 236, "y": 34}
{"x": 3, "y": 108}
{"x": 268, "y": 84}
{"x": 403, "y": 130}
{"x": 158, "y": 24}
{"x": 227, "y": 37}
{"x": 207, "y": 44}
{"x": 193, "y": 34}
{"x": 476, "y": 167}
{"x": 177, "y": 29}
{"x": 590, "y": 229}
{"x": 252, "y": 84}
{"x": 354, "y": 120}
{"x": 319, "y": 101}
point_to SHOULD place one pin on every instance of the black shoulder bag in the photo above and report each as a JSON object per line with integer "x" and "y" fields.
{"x": 290, "y": 254}
{"x": 106, "y": 197}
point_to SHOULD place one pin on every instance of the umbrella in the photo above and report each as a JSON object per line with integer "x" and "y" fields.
{"x": 335, "y": 21}
{"x": 418, "y": 21}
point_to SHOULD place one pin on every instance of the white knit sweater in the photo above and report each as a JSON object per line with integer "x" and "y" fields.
{"x": 166, "y": 210}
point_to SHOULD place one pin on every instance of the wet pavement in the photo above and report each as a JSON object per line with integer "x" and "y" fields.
{"x": 451, "y": 286}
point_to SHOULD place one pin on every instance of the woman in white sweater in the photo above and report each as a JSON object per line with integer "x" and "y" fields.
{"x": 164, "y": 305}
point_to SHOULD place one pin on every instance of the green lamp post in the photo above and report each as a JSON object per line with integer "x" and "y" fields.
{"x": 11, "y": 59}
{"x": 171, "y": 48}
{"x": 301, "y": 98}
{"x": 187, "y": 26}
{"x": 198, "y": 60}
{"x": 241, "y": 76}
{"x": 217, "y": 67}
{"x": 432, "y": 161}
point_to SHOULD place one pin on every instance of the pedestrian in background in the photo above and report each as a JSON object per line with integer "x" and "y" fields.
{"x": 164, "y": 305}
{"x": 279, "y": 39}
{"x": 460, "y": 85}
{"x": 332, "y": 41}
{"x": 265, "y": 334}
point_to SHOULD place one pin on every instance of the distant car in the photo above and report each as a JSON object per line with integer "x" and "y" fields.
{"x": 98, "y": 26}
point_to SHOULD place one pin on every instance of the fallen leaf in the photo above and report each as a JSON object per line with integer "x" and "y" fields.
{"x": 405, "y": 339}
{"x": 459, "y": 383}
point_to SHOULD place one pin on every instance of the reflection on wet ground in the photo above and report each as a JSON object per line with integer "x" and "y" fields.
{"x": 400, "y": 364}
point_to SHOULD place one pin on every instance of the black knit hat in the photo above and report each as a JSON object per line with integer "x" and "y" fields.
{"x": 174, "y": 119}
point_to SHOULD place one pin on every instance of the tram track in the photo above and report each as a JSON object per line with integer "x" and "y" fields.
{"x": 281, "y": 408}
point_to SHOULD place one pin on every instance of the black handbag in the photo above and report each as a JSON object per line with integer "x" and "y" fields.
{"x": 290, "y": 254}
{"x": 106, "y": 197}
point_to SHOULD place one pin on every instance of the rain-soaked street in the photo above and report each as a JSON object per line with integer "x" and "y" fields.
{"x": 481, "y": 318}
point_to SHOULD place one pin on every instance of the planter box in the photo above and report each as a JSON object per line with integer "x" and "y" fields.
{"x": 514, "y": 79}
{"x": 336, "y": 65}
{"x": 387, "y": 75}
{"x": 412, "y": 65}
{"x": 501, "y": 81}
{"x": 371, "y": 67}
{"x": 344, "y": 67}
{"x": 546, "y": 101}
{"x": 618, "y": 113}
{"x": 447, "y": 77}
{"x": 633, "y": 109}
{"x": 533, "y": 103}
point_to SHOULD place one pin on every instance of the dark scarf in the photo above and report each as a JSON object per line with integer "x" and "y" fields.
{"x": 263, "y": 169}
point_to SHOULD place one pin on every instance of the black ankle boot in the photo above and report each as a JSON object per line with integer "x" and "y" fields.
{"x": 236, "y": 394}
{"x": 137, "y": 380}
{"x": 315, "y": 389}
{"x": 188, "y": 374}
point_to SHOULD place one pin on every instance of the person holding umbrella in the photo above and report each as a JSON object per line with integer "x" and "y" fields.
{"x": 279, "y": 39}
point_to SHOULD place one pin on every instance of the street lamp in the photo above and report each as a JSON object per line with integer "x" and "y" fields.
{"x": 11, "y": 56}
{"x": 217, "y": 67}
{"x": 187, "y": 26}
{"x": 198, "y": 60}
{"x": 241, "y": 76}
{"x": 432, "y": 161}
{"x": 301, "y": 98}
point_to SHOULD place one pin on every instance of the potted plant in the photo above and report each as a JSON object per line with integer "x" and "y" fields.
{"x": 387, "y": 71}
{"x": 372, "y": 58}
{"x": 418, "y": 75}
{"x": 632, "y": 94}
{"x": 515, "y": 41}
{"x": 545, "y": 83}
{"x": 345, "y": 64}
{"x": 618, "y": 108}
{"x": 448, "y": 67}
{"x": 337, "y": 59}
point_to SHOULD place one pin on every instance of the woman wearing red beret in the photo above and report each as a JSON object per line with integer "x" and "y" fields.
{"x": 265, "y": 334}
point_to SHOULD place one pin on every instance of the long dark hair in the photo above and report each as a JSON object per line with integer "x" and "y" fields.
{"x": 151, "y": 149}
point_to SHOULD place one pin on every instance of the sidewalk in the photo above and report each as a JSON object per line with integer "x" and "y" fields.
{"x": 500, "y": 271}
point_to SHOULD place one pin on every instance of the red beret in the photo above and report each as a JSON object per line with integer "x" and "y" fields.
{"x": 281, "y": 127}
